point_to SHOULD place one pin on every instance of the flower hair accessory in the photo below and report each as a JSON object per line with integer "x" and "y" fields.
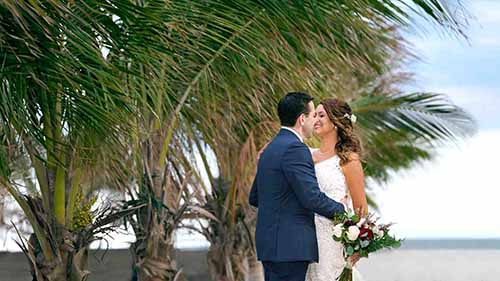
{"x": 351, "y": 117}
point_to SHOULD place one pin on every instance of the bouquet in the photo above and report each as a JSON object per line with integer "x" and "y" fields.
{"x": 360, "y": 236}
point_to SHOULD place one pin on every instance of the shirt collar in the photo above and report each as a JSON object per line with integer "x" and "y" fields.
{"x": 293, "y": 131}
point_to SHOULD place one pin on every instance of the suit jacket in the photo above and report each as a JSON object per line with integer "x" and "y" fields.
{"x": 286, "y": 192}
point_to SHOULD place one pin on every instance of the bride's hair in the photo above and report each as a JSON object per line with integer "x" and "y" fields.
{"x": 340, "y": 113}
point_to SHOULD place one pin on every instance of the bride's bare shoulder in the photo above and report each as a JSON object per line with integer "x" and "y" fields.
{"x": 353, "y": 156}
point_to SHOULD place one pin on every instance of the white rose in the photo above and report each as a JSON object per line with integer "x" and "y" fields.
{"x": 378, "y": 232}
{"x": 337, "y": 230}
{"x": 361, "y": 222}
{"x": 352, "y": 232}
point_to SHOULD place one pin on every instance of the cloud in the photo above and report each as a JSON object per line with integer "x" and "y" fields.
{"x": 455, "y": 195}
{"x": 488, "y": 41}
{"x": 485, "y": 12}
{"x": 466, "y": 71}
{"x": 481, "y": 102}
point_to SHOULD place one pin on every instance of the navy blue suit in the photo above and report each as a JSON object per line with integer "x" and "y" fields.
{"x": 286, "y": 193}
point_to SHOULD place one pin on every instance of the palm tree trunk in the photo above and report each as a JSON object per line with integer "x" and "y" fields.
{"x": 153, "y": 256}
{"x": 70, "y": 264}
{"x": 231, "y": 264}
{"x": 216, "y": 263}
{"x": 256, "y": 269}
{"x": 154, "y": 225}
{"x": 2, "y": 209}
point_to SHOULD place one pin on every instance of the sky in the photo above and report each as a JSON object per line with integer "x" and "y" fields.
{"x": 456, "y": 194}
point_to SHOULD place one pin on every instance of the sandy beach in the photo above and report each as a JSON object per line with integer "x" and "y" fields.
{"x": 432, "y": 265}
{"x": 397, "y": 265}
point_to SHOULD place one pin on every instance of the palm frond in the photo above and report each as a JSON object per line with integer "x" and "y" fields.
{"x": 428, "y": 116}
{"x": 400, "y": 130}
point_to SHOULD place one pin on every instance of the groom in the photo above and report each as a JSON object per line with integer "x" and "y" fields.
{"x": 286, "y": 193}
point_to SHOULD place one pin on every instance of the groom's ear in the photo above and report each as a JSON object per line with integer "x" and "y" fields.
{"x": 301, "y": 119}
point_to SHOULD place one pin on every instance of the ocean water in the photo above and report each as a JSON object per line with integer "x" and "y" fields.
{"x": 451, "y": 244}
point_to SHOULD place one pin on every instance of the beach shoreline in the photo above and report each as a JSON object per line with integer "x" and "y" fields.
{"x": 405, "y": 264}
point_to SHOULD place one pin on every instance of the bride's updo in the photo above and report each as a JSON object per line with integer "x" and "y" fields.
{"x": 340, "y": 113}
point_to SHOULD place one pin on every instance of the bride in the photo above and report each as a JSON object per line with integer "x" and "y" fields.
{"x": 340, "y": 176}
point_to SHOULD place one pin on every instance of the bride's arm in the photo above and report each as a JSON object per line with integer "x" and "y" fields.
{"x": 355, "y": 180}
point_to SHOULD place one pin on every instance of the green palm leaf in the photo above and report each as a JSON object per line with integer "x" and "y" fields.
{"x": 398, "y": 130}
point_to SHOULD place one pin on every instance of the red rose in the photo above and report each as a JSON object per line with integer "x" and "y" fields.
{"x": 349, "y": 223}
{"x": 365, "y": 234}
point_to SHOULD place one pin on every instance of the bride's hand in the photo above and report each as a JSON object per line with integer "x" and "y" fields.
{"x": 362, "y": 212}
{"x": 354, "y": 259}
{"x": 344, "y": 200}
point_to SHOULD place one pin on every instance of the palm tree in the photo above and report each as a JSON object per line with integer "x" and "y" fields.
{"x": 63, "y": 107}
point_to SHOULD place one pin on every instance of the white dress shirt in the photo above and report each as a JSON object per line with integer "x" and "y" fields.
{"x": 293, "y": 131}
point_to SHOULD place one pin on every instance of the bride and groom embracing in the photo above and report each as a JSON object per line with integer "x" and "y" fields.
{"x": 295, "y": 182}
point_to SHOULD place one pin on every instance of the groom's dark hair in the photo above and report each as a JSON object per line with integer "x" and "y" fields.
{"x": 291, "y": 106}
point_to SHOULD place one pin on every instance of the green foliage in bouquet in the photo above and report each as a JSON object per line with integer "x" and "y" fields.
{"x": 386, "y": 241}
{"x": 360, "y": 236}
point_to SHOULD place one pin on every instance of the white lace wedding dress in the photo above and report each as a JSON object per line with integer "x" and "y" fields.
{"x": 331, "y": 253}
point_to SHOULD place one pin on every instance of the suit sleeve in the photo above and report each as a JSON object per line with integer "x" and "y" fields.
{"x": 298, "y": 168}
{"x": 253, "y": 199}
